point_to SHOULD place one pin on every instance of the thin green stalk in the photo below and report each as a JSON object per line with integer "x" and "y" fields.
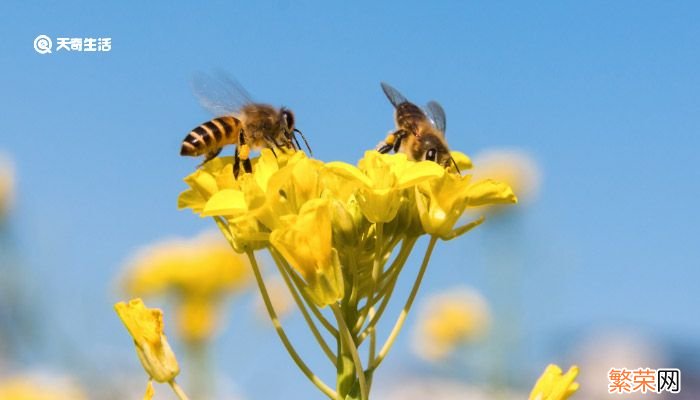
{"x": 372, "y": 337}
{"x": 302, "y": 307}
{"x": 376, "y": 269}
{"x": 178, "y": 390}
{"x": 406, "y": 308}
{"x": 397, "y": 265}
{"x": 223, "y": 227}
{"x": 350, "y": 343}
{"x": 283, "y": 336}
{"x": 317, "y": 313}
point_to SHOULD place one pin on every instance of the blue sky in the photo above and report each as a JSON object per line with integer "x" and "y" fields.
{"x": 603, "y": 94}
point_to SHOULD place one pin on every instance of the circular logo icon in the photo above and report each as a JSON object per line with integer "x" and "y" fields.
{"x": 43, "y": 44}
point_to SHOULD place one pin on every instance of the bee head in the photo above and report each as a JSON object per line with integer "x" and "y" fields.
{"x": 434, "y": 149}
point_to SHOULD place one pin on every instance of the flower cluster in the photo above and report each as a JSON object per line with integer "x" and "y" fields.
{"x": 333, "y": 230}
{"x": 329, "y": 220}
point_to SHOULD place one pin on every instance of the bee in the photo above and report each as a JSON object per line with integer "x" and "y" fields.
{"x": 241, "y": 122}
{"x": 420, "y": 133}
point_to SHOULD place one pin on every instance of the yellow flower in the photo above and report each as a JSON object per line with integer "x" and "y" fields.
{"x": 463, "y": 161}
{"x": 515, "y": 167}
{"x": 291, "y": 187}
{"x": 306, "y": 244}
{"x": 30, "y": 387}
{"x": 146, "y": 327}
{"x": 7, "y": 185}
{"x": 442, "y": 201}
{"x": 198, "y": 273}
{"x": 212, "y": 177}
{"x": 553, "y": 385}
{"x": 381, "y": 178}
{"x": 448, "y": 320}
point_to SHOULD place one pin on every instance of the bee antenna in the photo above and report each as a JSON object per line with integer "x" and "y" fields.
{"x": 455, "y": 164}
{"x": 311, "y": 153}
{"x": 296, "y": 144}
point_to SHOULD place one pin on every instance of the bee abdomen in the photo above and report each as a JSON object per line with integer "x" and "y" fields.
{"x": 210, "y": 135}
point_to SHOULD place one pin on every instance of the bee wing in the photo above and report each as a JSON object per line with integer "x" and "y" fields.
{"x": 435, "y": 112}
{"x": 219, "y": 93}
{"x": 393, "y": 95}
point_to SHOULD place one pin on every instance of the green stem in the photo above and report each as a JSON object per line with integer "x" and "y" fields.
{"x": 283, "y": 336}
{"x": 302, "y": 307}
{"x": 350, "y": 345}
{"x": 406, "y": 308}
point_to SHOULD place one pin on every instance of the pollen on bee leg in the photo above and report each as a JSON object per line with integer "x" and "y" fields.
{"x": 244, "y": 152}
{"x": 390, "y": 139}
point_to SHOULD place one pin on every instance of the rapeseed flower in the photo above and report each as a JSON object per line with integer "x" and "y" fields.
{"x": 340, "y": 236}
{"x": 145, "y": 325}
{"x": 554, "y": 384}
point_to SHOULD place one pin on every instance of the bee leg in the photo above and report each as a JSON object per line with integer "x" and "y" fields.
{"x": 244, "y": 155}
{"x": 400, "y": 136}
{"x": 392, "y": 141}
{"x": 236, "y": 164}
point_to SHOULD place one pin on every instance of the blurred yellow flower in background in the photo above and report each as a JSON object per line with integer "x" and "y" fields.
{"x": 7, "y": 185}
{"x": 514, "y": 167}
{"x": 146, "y": 327}
{"x": 30, "y": 387}
{"x": 448, "y": 320}
{"x": 554, "y": 384}
{"x": 198, "y": 273}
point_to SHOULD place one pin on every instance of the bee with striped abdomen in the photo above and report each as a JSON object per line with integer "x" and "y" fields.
{"x": 420, "y": 134}
{"x": 242, "y": 123}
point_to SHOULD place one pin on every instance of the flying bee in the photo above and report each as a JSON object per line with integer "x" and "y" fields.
{"x": 420, "y": 134}
{"x": 241, "y": 122}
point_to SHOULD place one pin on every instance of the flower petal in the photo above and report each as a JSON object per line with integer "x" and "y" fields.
{"x": 225, "y": 202}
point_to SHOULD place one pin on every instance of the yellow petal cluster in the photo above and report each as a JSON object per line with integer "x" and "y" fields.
{"x": 554, "y": 384}
{"x": 328, "y": 220}
{"x": 197, "y": 274}
{"x": 146, "y": 327}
